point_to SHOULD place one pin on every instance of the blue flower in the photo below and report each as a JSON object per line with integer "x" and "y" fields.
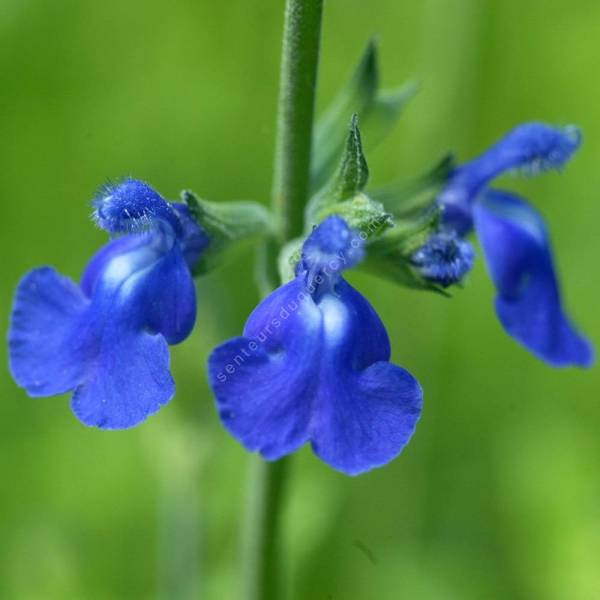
{"x": 313, "y": 365}
{"x": 106, "y": 340}
{"x": 444, "y": 259}
{"x": 515, "y": 241}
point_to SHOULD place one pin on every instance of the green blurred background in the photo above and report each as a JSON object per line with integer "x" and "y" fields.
{"x": 498, "y": 494}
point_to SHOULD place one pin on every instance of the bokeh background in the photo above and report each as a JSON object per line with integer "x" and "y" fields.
{"x": 498, "y": 494}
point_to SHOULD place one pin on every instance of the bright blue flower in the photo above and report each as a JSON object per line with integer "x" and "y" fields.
{"x": 313, "y": 365}
{"x": 530, "y": 148}
{"x": 106, "y": 339}
{"x": 515, "y": 241}
{"x": 444, "y": 259}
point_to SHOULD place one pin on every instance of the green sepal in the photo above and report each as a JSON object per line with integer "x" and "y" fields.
{"x": 361, "y": 213}
{"x": 377, "y": 109}
{"x": 226, "y": 223}
{"x": 350, "y": 179}
{"x": 409, "y": 198}
{"x": 417, "y": 216}
{"x": 390, "y": 254}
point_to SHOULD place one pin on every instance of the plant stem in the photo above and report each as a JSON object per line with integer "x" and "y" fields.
{"x": 298, "y": 81}
{"x": 262, "y": 569}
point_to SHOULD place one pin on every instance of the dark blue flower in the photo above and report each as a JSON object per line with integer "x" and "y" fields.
{"x": 515, "y": 241}
{"x": 444, "y": 259}
{"x": 106, "y": 339}
{"x": 313, "y": 365}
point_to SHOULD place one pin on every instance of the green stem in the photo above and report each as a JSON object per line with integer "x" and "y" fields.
{"x": 298, "y": 82}
{"x": 262, "y": 568}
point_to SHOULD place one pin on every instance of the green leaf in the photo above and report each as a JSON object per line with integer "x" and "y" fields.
{"x": 330, "y": 130}
{"x": 351, "y": 177}
{"x": 378, "y": 110}
{"x": 353, "y": 173}
{"x": 384, "y": 111}
{"x": 226, "y": 224}
{"x": 407, "y": 198}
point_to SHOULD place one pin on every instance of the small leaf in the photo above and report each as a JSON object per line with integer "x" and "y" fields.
{"x": 354, "y": 172}
{"x": 330, "y": 131}
{"x": 378, "y": 110}
{"x": 351, "y": 177}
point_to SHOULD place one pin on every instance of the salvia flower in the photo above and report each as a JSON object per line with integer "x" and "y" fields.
{"x": 313, "y": 366}
{"x": 106, "y": 340}
{"x": 515, "y": 241}
{"x": 444, "y": 259}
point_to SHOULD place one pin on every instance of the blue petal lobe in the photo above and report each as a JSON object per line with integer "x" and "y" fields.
{"x": 133, "y": 206}
{"x": 517, "y": 250}
{"x": 532, "y": 147}
{"x": 332, "y": 247}
{"x": 353, "y": 334}
{"x": 366, "y": 408}
{"x": 114, "y": 249}
{"x": 128, "y": 381}
{"x": 169, "y": 297}
{"x": 332, "y": 240}
{"x": 141, "y": 291}
{"x": 160, "y": 290}
{"x": 365, "y": 419}
{"x": 48, "y": 342}
{"x": 263, "y": 381}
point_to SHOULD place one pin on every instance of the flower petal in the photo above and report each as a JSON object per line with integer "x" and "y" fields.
{"x": 532, "y": 147}
{"x": 444, "y": 258}
{"x": 263, "y": 382}
{"x": 139, "y": 293}
{"x": 365, "y": 419}
{"x": 365, "y": 411}
{"x": 169, "y": 297}
{"x": 154, "y": 284}
{"x": 518, "y": 255}
{"x": 114, "y": 249}
{"x": 48, "y": 343}
{"x": 354, "y": 335}
{"x": 128, "y": 381}
{"x": 133, "y": 206}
